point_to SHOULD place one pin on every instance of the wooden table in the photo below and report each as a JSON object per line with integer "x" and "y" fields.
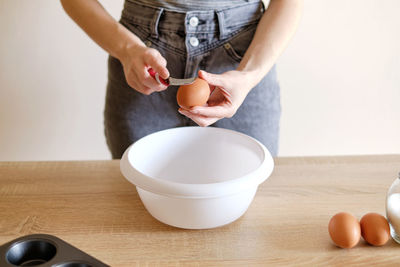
{"x": 90, "y": 205}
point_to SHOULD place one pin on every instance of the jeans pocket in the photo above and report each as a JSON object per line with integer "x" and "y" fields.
{"x": 237, "y": 46}
{"x": 232, "y": 53}
{"x": 136, "y": 28}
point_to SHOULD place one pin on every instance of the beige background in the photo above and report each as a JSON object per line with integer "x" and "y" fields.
{"x": 339, "y": 77}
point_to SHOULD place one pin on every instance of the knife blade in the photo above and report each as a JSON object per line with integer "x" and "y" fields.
{"x": 170, "y": 80}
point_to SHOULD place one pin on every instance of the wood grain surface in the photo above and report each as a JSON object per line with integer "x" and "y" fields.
{"x": 90, "y": 205}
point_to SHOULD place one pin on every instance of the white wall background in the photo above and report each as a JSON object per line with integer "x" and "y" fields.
{"x": 340, "y": 79}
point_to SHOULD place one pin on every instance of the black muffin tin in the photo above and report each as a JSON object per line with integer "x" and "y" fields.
{"x": 44, "y": 251}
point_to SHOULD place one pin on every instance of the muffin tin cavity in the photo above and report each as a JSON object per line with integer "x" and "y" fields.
{"x": 44, "y": 251}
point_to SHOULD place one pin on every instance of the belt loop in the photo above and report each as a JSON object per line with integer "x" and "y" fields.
{"x": 154, "y": 23}
{"x": 221, "y": 23}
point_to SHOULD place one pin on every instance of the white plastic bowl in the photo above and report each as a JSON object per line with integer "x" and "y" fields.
{"x": 197, "y": 177}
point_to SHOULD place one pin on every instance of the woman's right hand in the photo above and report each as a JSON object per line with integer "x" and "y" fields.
{"x": 136, "y": 60}
{"x": 119, "y": 42}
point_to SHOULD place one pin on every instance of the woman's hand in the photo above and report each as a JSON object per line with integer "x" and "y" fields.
{"x": 136, "y": 60}
{"x": 274, "y": 31}
{"x": 120, "y": 43}
{"x": 228, "y": 91}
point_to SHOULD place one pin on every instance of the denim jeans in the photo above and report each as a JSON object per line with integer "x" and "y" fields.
{"x": 214, "y": 41}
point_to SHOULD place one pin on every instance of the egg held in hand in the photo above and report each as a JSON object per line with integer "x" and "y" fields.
{"x": 344, "y": 230}
{"x": 375, "y": 229}
{"x": 194, "y": 94}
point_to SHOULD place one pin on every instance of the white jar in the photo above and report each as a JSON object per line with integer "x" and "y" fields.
{"x": 393, "y": 209}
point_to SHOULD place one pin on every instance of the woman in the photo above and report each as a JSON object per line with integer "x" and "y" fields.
{"x": 233, "y": 45}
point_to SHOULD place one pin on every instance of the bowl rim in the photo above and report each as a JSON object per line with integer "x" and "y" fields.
{"x": 195, "y": 190}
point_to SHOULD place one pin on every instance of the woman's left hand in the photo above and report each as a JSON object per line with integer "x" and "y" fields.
{"x": 228, "y": 91}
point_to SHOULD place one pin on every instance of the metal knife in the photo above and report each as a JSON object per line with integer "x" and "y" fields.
{"x": 170, "y": 80}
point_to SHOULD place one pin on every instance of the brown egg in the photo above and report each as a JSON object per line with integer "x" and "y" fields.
{"x": 194, "y": 94}
{"x": 344, "y": 230}
{"x": 375, "y": 229}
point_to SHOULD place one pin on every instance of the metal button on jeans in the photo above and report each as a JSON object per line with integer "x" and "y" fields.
{"x": 194, "y": 21}
{"x": 194, "y": 41}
